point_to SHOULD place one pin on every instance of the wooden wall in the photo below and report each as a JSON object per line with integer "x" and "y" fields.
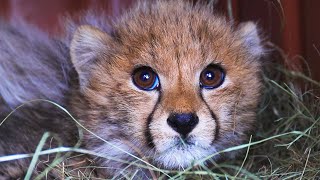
{"x": 293, "y": 25}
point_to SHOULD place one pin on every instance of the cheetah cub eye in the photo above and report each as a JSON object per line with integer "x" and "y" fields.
{"x": 146, "y": 79}
{"x": 212, "y": 77}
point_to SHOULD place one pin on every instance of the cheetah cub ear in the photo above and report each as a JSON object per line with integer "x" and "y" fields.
{"x": 249, "y": 34}
{"x": 87, "y": 46}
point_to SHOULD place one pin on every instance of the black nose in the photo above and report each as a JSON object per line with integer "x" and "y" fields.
{"x": 183, "y": 123}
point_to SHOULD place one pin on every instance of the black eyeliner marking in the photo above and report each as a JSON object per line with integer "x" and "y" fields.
{"x": 216, "y": 134}
{"x": 149, "y": 119}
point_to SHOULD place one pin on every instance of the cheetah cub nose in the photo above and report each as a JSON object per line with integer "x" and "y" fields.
{"x": 183, "y": 123}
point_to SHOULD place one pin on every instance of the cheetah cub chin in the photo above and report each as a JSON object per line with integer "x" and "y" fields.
{"x": 170, "y": 82}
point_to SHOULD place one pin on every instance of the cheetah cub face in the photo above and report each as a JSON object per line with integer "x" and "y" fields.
{"x": 172, "y": 82}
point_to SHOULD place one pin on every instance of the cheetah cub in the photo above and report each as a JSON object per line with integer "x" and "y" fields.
{"x": 169, "y": 82}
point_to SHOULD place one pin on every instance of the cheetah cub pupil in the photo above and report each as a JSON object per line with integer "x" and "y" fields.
{"x": 169, "y": 81}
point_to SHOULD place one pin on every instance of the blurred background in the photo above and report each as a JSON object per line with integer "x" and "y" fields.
{"x": 292, "y": 25}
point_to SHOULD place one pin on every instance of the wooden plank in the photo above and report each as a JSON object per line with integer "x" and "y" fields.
{"x": 311, "y": 26}
{"x": 45, "y": 13}
{"x": 291, "y": 35}
{"x": 4, "y": 8}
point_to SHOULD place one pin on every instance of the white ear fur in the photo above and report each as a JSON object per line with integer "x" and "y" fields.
{"x": 88, "y": 43}
{"x": 249, "y": 33}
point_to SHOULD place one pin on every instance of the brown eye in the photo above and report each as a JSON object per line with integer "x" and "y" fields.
{"x": 145, "y": 79}
{"x": 212, "y": 77}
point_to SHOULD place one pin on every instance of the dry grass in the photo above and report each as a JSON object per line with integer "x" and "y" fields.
{"x": 289, "y": 105}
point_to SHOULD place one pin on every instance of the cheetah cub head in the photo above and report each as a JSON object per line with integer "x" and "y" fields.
{"x": 172, "y": 82}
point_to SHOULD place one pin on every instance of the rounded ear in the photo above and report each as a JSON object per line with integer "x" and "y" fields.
{"x": 87, "y": 45}
{"x": 249, "y": 34}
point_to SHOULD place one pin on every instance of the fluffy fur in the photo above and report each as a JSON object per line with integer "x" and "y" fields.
{"x": 89, "y": 70}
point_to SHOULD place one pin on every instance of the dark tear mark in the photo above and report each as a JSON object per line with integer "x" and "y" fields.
{"x": 216, "y": 134}
{"x": 149, "y": 120}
